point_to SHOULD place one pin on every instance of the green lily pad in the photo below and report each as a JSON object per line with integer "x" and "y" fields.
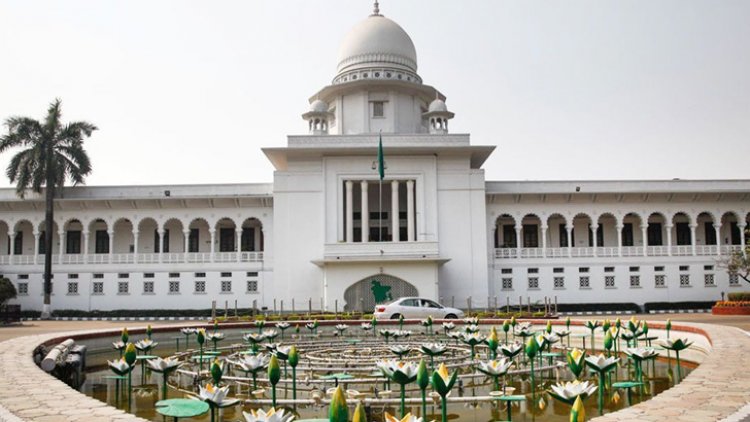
{"x": 181, "y": 408}
{"x": 115, "y": 377}
{"x": 339, "y": 375}
{"x": 626, "y": 384}
{"x": 146, "y": 357}
{"x": 512, "y": 398}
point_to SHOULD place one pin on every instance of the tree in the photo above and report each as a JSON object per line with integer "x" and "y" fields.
{"x": 7, "y": 291}
{"x": 52, "y": 153}
{"x": 738, "y": 263}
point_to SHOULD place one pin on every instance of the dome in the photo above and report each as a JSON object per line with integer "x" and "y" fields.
{"x": 319, "y": 106}
{"x": 438, "y": 105}
{"x": 377, "y": 42}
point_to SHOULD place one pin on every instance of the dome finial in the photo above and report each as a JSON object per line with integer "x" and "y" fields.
{"x": 376, "y": 9}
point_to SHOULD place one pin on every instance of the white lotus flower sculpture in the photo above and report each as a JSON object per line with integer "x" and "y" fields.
{"x": 145, "y": 345}
{"x": 213, "y": 394}
{"x": 569, "y": 391}
{"x": 119, "y": 367}
{"x": 407, "y": 418}
{"x": 272, "y": 415}
{"x": 163, "y": 365}
{"x": 399, "y": 350}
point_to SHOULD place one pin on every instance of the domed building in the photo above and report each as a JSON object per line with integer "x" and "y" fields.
{"x": 378, "y": 196}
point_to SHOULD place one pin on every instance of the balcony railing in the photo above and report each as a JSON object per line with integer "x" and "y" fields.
{"x": 614, "y": 251}
{"x": 130, "y": 258}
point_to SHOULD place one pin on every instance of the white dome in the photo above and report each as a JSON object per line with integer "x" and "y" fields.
{"x": 319, "y": 106}
{"x": 377, "y": 41}
{"x": 438, "y": 105}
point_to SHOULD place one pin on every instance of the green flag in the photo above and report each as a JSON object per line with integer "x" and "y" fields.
{"x": 381, "y": 161}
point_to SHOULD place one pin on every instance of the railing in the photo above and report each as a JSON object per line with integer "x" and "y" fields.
{"x": 657, "y": 251}
{"x": 607, "y": 251}
{"x": 614, "y": 251}
{"x": 380, "y": 250}
{"x": 130, "y": 258}
{"x": 686, "y": 250}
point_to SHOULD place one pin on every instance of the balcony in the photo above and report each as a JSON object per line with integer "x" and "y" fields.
{"x": 614, "y": 251}
{"x": 357, "y": 251}
{"x": 130, "y": 258}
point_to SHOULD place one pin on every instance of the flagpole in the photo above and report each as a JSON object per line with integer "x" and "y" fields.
{"x": 380, "y": 210}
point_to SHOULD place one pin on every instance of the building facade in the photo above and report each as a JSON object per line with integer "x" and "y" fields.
{"x": 331, "y": 233}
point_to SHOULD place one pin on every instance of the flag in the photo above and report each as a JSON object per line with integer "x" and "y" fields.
{"x": 381, "y": 160}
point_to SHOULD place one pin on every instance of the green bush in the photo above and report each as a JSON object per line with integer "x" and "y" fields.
{"x": 7, "y": 291}
{"x": 598, "y": 307}
{"x": 739, "y": 296}
{"x": 668, "y": 306}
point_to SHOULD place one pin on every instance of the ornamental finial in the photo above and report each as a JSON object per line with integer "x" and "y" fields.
{"x": 376, "y": 9}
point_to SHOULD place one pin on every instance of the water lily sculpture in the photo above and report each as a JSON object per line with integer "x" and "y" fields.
{"x": 448, "y": 326}
{"x": 576, "y": 362}
{"x": 119, "y": 366}
{"x": 601, "y": 365}
{"x": 495, "y": 369}
{"x": 523, "y": 331}
{"x": 401, "y": 373}
{"x": 282, "y": 326}
{"x": 119, "y": 346}
{"x": 593, "y": 325}
{"x": 272, "y": 415}
{"x": 187, "y": 332}
{"x": 401, "y": 333}
{"x": 407, "y": 418}
{"x": 366, "y": 326}
{"x": 442, "y": 383}
{"x": 677, "y": 346}
{"x": 312, "y": 326}
{"x": 638, "y": 355}
{"x": 252, "y": 364}
{"x": 569, "y": 391}
{"x": 259, "y": 324}
{"x": 511, "y": 350}
{"x": 145, "y": 345}
{"x": 270, "y": 334}
{"x": 455, "y": 335}
{"x": 399, "y": 350}
{"x": 472, "y": 340}
{"x": 164, "y": 367}
{"x": 432, "y": 350}
{"x": 471, "y": 328}
{"x": 215, "y": 397}
{"x": 427, "y": 323}
{"x": 215, "y": 338}
{"x": 341, "y": 328}
{"x": 471, "y": 321}
{"x": 386, "y": 334}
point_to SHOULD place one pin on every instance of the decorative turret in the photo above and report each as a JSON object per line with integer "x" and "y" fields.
{"x": 438, "y": 116}
{"x": 318, "y": 117}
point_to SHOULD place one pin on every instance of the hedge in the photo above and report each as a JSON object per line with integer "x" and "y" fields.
{"x": 668, "y": 306}
{"x": 598, "y": 307}
{"x": 739, "y": 296}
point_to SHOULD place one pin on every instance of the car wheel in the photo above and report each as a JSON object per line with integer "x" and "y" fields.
{"x": 395, "y": 316}
{"x": 451, "y": 316}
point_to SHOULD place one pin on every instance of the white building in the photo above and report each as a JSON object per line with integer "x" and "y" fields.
{"x": 327, "y": 230}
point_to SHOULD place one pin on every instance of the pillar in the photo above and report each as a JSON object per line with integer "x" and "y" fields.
{"x": 410, "y": 235}
{"x": 519, "y": 240}
{"x": 111, "y": 243}
{"x": 12, "y": 236}
{"x": 644, "y": 234}
{"x": 85, "y": 235}
{"x": 61, "y": 236}
{"x": 160, "y": 233}
{"x": 742, "y": 227}
{"x": 594, "y": 229}
{"x": 569, "y": 230}
{"x": 668, "y": 227}
{"x": 619, "y": 239}
{"x": 238, "y": 236}
{"x": 36, "y": 246}
{"x": 135, "y": 244}
{"x": 544, "y": 240}
{"x": 692, "y": 237}
{"x": 365, "y": 212}
{"x": 349, "y": 212}
{"x": 395, "y": 235}
{"x": 186, "y": 234}
{"x": 212, "y": 232}
{"x": 717, "y": 229}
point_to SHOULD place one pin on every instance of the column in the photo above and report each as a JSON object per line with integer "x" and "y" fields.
{"x": 569, "y": 229}
{"x": 692, "y": 237}
{"x": 238, "y": 235}
{"x": 85, "y": 235}
{"x": 410, "y": 235}
{"x": 594, "y": 229}
{"x": 61, "y": 236}
{"x": 619, "y": 239}
{"x": 186, "y": 234}
{"x": 349, "y": 212}
{"x": 12, "y": 236}
{"x": 742, "y": 237}
{"x": 717, "y": 228}
{"x": 519, "y": 240}
{"x": 212, "y": 232}
{"x": 644, "y": 234}
{"x": 36, "y": 246}
{"x": 394, "y": 212}
{"x": 111, "y": 244}
{"x": 160, "y": 234}
{"x": 135, "y": 245}
{"x": 365, "y": 211}
{"x": 544, "y": 240}
{"x": 668, "y": 227}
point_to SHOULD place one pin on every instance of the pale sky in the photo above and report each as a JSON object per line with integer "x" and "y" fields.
{"x": 188, "y": 92}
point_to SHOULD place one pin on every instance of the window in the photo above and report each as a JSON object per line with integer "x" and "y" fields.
{"x": 98, "y": 275}
{"x": 200, "y": 275}
{"x": 226, "y": 286}
{"x": 708, "y": 280}
{"x": 174, "y": 287}
{"x": 122, "y": 288}
{"x": 73, "y": 242}
{"x": 683, "y": 233}
{"x": 710, "y": 233}
{"x": 148, "y": 275}
{"x": 226, "y": 240}
{"x": 533, "y": 270}
{"x": 509, "y": 236}
{"x": 23, "y": 289}
{"x": 193, "y": 240}
{"x": 635, "y": 281}
{"x": 506, "y": 271}
{"x": 583, "y": 269}
{"x": 609, "y": 281}
{"x": 72, "y": 287}
{"x": 507, "y": 283}
{"x": 252, "y": 273}
{"x": 627, "y": 234}
{"x": 247, "y": 239}
{"x": 658, "y": 269}
{"x": 684, "y": 268}
{"x": 123, "y": 275}
{"x": 559, "y": 282}
{"x": 684, "y": 280}
{"x": 252, "y": 286}
{"x": 708, "y": 267}
{"x": 148, "y": 287}
{"x": 72, "y": 276}
{"x": 660, "y": 280}
{"x": 227, "y": 274}
{"x": 42, "y": 243}
{"x": 530, "y": 235}
{"x": 563, "y": 236}
{"x": 157, "y": 247}
{"x": 734, "y": 231}
{"x": 378, "y": 109}
{"x": 200, "y": 286}
{"x": 558, "y": 270}
{"x": 654, "y": 234}
{"x": 609, "y": 269}
{"x": 98, "y": 288}
{"x": 174, "y": 275}
{"x": 533, "y": 282}
{"x": 102, "y": 241}
{"x": 583, "y": 283}
{"x": 23, "y": 276}
{"x": 734, "y": 280}
{"x": 18, "y": 244}
{"x": 410, "y": 302}
{"x": 635, "y": 269}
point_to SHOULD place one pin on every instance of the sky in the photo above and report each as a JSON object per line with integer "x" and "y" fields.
{"x": 188, "y": 92}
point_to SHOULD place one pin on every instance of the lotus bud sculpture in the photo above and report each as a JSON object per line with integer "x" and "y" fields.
{"x": 668, "y": 327}
{"x": 576, "y": 362}
{"x": 577, "y": 412}
{"x": 532, "y": 348}
{"x": 130, "y": 358}
{"x": 200, "y": 337}
{"x": 423, "y": 380}
{"x": 293, "y": 362}
{"x": 493, "y": 342}
{"x": 359, "y": 413}
{"x": 274, "y": 375}
{"x": 401, "y": 322}
{"x": 124, "y": 337}
{"x": 338, "y": 410}
{"x": 149, "y": 331}
{"x": 506, "y": 328}
{"x": 442, "y": 383}
{"x": 593, "y": 325}
{"x": 259, "y": 324}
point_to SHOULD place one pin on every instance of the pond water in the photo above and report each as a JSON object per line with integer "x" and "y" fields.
{"x": 659, "y": 374}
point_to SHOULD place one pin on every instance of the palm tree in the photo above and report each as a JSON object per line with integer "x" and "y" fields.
{"x": 52, "y": 153}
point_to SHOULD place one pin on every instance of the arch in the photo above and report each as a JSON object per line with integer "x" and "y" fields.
{"x": 377, "y": 288}
{"x": 530, "y": 231}
{"x": 682, "y": 234}
{"x": 4, "y": 232}
{"x": 505, "y": 231}
{"x": 23, "y": 241}
{"x": 581, "y": 233}
{"x": 705, "y": 231}
{"x": 606, "y": 229}
{"x": 173, "y": 231}
{"x": 684, "y": 216}
{"x": 147, "y": 223}
{"x": 251, "y": 235}
{"x": 146, "y": 231}
{"x": 730, "y": 233}
{"x": 226, "y": 234}
{"x": 200, "y": 236}
{"x": 122, "y": 230}
{"x": 556, "y": 233}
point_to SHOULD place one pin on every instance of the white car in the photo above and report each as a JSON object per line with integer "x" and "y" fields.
{"x": 415, "y": 308}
